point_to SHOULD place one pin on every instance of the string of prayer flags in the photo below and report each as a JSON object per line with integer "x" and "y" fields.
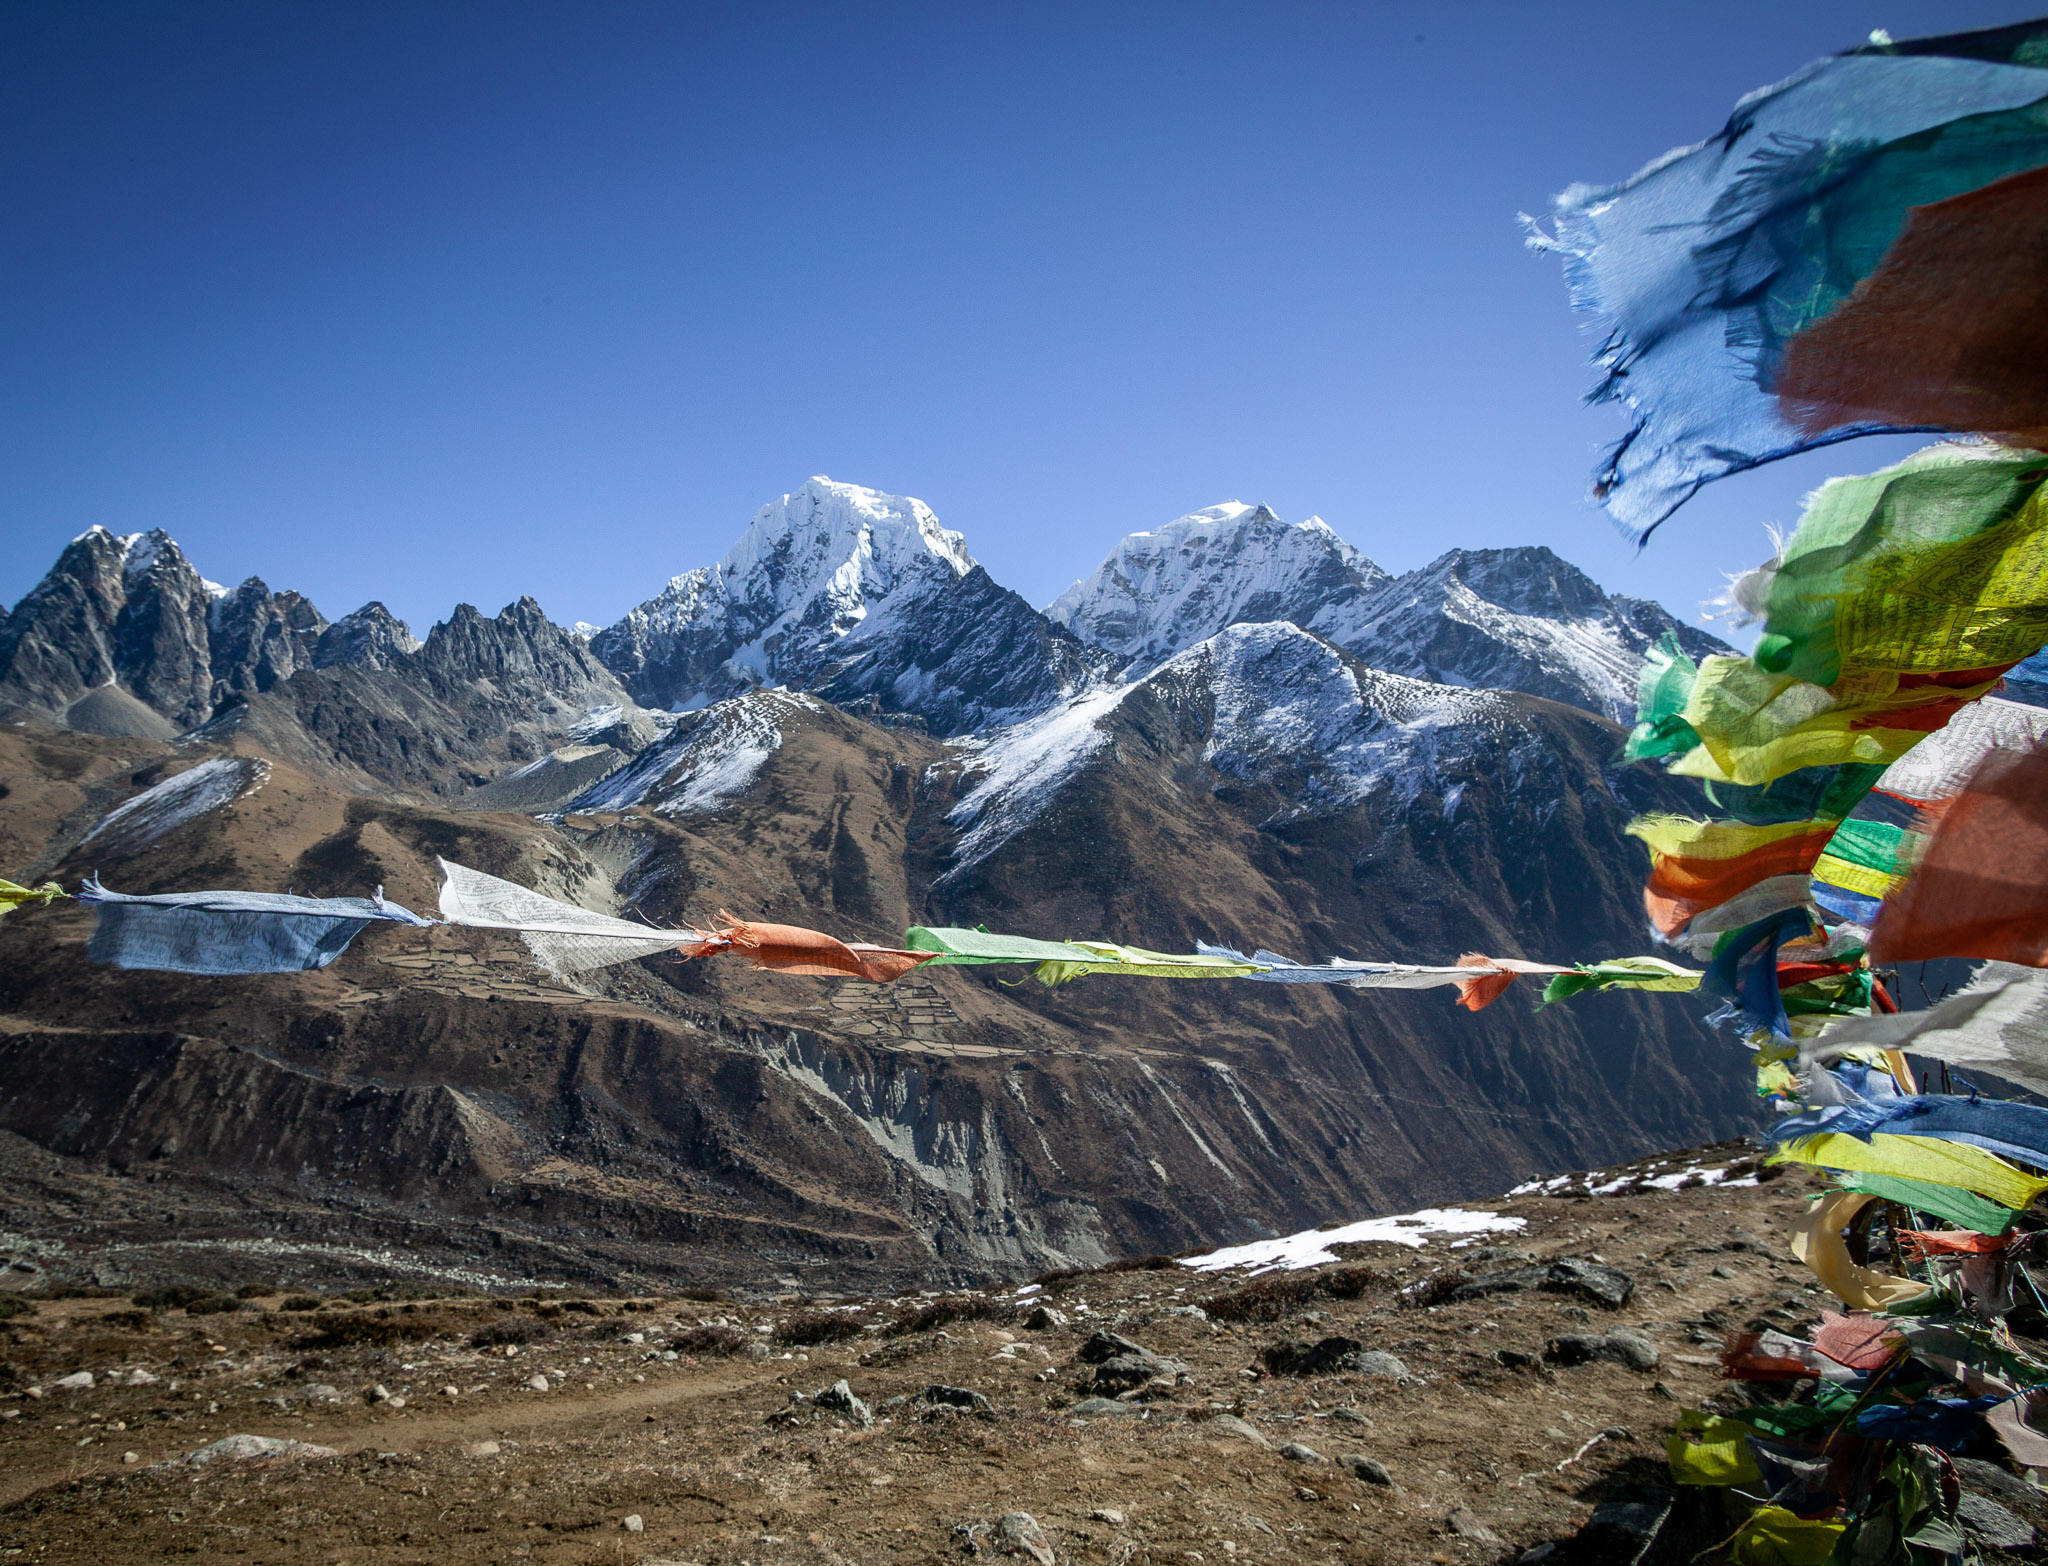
{"x": 1697, "y": 865}
{"x": 1744, "y": 972}
{"x": 1948, "y": 1202}
{"x": 1702, "y": 932}
{"x": 13, "y": 897}
{"x": 1135, "y": 961}
{"x": 1494, "y": 977}
{"x": 1864, "y": 862}
{"x": 1817, "y": 1241}
{"x": 2011, "y": 1130}
{"x": 1920, "y": 1244}
{"x": 1755, "y": 726}
{"x": 1944, "y": 334}
{"x": 1707, "y": 1449}
{"x": 1981, "y": 886}
{"x": 562, "y": 937}
{"x": 1276, "y": 969}
{"x": 230, "y": 932}
{"x": 1940, "y": 765}
{"x": 1717, "y": 272}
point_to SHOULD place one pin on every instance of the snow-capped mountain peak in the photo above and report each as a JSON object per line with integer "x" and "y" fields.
{"x": 807, "y": 570}
{"x": 856, "y": 594}
{"x": 1228, "y": 564}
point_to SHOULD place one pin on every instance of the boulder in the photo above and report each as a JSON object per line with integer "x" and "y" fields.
{"x": 1103, "y": 1345}
{"x": 956, "y": 1397}
{"x": 838, "y": 1398}
{"x": 253, "y": 1449}
{"x": 1231, "y": 1425}
{"x": 1122, "y": 1372}
{"x": 1596, "y": 1281}
{"x": 1621, "y": 1347}
{"x": 1101, "y": 1407}
{"x": 1019, "y": 1534}
{"x": 1369, "y": 1470}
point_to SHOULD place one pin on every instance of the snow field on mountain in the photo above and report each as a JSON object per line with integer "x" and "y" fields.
{"x": 706, "y": 762}
{"x": 1018, "y": 771}
{"x": 161, "y": 809}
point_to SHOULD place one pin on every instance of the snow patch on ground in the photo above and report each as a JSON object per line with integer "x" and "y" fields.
{"x": 595, "y": 721}
{"x": 162, "y": 809}
{"x": 1311, "y": 1248}
{"x": 1668, "y": 1175}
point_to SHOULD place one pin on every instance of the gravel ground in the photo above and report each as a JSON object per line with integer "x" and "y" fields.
{"x": 690, "y": 1430}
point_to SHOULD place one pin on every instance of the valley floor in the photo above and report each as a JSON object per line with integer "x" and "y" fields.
{"x": 687, "y": 1430}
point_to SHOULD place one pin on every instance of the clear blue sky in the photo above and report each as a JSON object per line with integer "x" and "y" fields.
{"x": 444, "y": 302}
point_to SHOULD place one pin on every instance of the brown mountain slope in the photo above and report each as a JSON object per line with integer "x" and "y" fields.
{"x": 431, "y": 1104}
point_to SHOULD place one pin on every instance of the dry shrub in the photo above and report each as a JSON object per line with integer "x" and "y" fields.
{"x": 1277, "y": 1294}
{"x": 944, "y": 1311}
{"x": 1434, "y": 1289}
{"x": 709, "y": 1340}
{"x": 174, "y": 1296}
{"x": 1059, "y": 1277}
{"x": 702, "y": 1296}
{"x": 374, "y": 1329}
{"x": 1263, "y": 1299}
{"x": 813, "y": 1327}
{"x": 302, "y": 1302}
{"x": 508, "y": 1329}
{"x": 1351, "y": 1283}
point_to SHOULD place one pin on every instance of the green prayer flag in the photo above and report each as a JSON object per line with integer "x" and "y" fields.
{"x": 1934, "y": 565}
{"x": 1964, "y": 1209}
{"x": 962, "y": 947}
{"x": 1636, "y": 973}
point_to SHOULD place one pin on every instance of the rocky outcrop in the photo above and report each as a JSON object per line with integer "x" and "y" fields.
{"x": 371, "y": 638}
{"x": 483, "y": 696}
{"x": 1516, "y": 619}
{"x": 123, "y": 613}
{"x": 256, "y": 639}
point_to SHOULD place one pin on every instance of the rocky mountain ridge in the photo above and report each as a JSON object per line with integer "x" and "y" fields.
{"x": 857, "y": 596}
{"x": 1509, "y": 619}
{"x": 904, "y": 743}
